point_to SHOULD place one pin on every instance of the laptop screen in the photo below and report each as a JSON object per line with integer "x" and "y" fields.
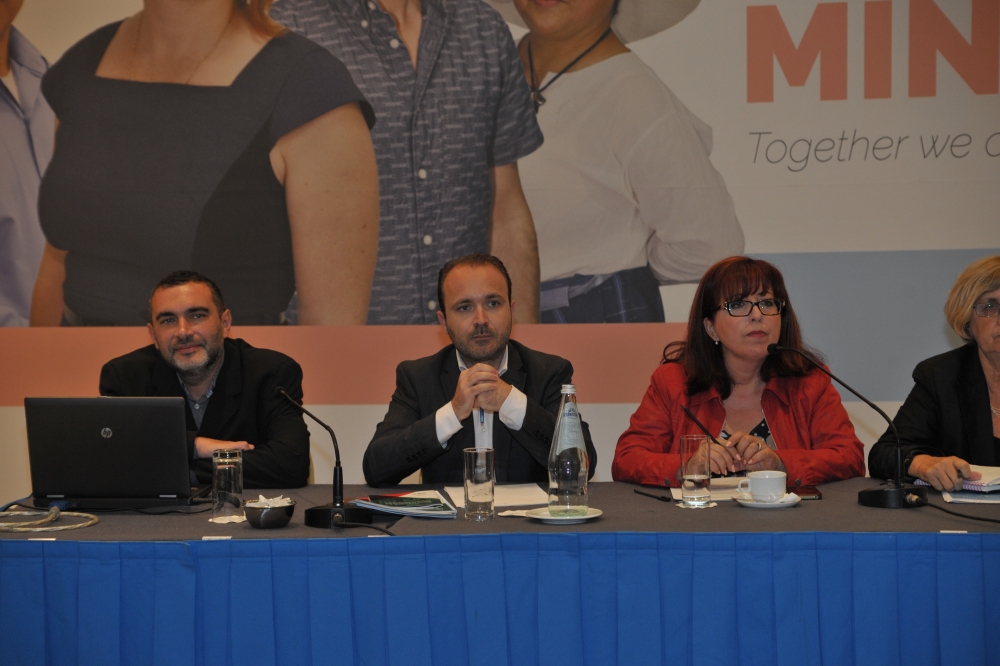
{"x": 92, "y": 449}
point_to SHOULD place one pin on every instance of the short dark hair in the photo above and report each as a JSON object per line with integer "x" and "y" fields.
{"x": 733, "y": 279}
{"x": 178, "y": 278}
{"x": 474, "y": 259}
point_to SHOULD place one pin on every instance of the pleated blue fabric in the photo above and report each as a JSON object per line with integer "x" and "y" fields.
{"x": 513, "y": 600}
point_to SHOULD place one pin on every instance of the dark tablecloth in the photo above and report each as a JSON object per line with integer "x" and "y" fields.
{"x": 623, "y": 511}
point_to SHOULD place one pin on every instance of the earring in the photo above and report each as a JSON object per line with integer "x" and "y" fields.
{"x": 716, "y": 343}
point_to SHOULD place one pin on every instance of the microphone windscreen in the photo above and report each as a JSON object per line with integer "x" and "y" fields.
{"x": 773, "y": 348}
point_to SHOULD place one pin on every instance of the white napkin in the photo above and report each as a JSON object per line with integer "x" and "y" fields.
{"x": 228, "y": 519}
{"x": 519, "y": 494}
{"x": 266, "y": 503}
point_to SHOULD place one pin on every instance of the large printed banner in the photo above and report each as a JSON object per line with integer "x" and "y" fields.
{"x": 854, "y": 144}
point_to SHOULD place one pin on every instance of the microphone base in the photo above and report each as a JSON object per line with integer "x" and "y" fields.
{"x": 891, "y": 497}
{"x": 328, "y": 516}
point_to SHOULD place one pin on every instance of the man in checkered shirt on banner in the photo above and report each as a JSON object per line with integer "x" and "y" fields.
{"x": 453, "y": 117}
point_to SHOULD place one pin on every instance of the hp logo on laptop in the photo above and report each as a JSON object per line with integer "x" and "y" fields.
{"x": 106, "y": 433}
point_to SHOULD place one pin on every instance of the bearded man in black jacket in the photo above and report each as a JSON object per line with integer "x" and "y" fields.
{"x": 228, "y": 384}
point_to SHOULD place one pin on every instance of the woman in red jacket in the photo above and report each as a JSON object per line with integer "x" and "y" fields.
{"x": 772, "y": 411}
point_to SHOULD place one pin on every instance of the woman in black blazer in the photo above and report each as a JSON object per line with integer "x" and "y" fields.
{"x": 952, "y": 416}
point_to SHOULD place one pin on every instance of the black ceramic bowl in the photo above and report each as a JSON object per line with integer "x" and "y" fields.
{"x": 269, "y": 518}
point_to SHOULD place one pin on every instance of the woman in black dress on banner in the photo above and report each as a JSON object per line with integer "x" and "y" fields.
{"x": 952, "y": 416}
{"x": 204, "y": 136}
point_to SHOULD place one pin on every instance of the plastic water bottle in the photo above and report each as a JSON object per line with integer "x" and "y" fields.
{"x": 568, "y": 460}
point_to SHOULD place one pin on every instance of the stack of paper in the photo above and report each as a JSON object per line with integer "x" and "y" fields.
{"x": 521, "y": 494}
{"x": 978, "y": 497}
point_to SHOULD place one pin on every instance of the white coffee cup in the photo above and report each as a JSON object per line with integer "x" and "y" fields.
{"x": 767, "y": 486}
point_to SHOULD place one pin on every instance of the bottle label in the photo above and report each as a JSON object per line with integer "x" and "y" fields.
{"x": 570, "y": 433}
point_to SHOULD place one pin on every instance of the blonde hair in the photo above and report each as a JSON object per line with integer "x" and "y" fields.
{"x": 980, "y": 277}
{"x": 257, "y": 14}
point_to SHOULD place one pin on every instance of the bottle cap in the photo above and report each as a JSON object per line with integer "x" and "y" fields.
{"x": 569, "y": 389}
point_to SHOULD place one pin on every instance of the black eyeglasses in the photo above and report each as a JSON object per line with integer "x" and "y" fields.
{"x": 767, "y": 306}
{"x": 988, "y": 309}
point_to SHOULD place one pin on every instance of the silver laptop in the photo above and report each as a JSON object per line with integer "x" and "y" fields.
{"x": 108, "y": 453}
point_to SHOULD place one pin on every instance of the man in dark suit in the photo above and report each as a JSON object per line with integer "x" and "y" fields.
{"x": 484, "y": 390}
{"x": 229, "y": 385}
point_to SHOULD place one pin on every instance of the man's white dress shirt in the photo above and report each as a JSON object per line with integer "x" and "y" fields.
{"x": 511, "y": 413}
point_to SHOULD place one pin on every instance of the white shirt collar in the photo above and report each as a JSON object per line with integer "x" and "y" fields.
{"x": 462, "y": 367}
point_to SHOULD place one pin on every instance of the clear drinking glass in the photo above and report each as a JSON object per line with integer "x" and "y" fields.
{"x": 695, "y": 470}
{"x": 479, "y": 478}
{"x": 227, "y": 486}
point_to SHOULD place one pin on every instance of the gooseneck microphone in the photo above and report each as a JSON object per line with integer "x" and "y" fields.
{"x": 336, "y": 514}
{"x": 885, "y": 496}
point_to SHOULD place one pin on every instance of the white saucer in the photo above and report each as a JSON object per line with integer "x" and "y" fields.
{"x": 754, "y": 504}
{"x": 543, "y": 515}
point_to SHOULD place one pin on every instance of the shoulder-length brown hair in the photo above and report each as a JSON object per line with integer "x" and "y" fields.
{"x": 733, "y": 279}
{"x": 258, "y": 15}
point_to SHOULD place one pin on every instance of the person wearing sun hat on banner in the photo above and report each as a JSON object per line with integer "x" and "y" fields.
{"x": 623, "y": 193}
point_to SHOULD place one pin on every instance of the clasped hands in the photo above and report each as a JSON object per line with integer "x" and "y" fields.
{"x": 479, "y": 387}
{"x": 743, "y": 452}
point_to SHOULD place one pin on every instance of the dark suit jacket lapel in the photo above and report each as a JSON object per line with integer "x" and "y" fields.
{"x": 974, "y": 401}
{"x": 515, "y": 369}
{"x": 466, "y": 437}
{"x": 502, "y": 440}
{"x": 165, "y": 381}
{"x": 224, "y": 405}
{"x": 449, "y": 374}
{"x": 166, "y": 384}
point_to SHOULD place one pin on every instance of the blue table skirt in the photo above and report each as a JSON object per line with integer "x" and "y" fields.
{"x": 518, "y": 599}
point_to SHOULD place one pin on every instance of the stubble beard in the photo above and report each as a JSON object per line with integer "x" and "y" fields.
{"x": 198, "y": 371}
{"x": 474, "y": 354}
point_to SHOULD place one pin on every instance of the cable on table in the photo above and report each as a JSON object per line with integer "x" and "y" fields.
{"x": 919, "y": 501}
{"x": 44, "y": 524}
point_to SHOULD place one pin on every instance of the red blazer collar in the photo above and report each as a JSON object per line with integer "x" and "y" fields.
{"x": 779, "y": 387}
{"x": 705, "y": 396}
{"x": 776, "y": 385}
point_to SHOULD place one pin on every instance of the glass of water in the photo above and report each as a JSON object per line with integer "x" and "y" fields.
{"x": 479, "y": 479}
{"x": 695, "y": 470}
{"x": 227, "y": 486}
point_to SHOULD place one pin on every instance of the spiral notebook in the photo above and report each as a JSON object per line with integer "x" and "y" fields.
{"x": 988, "y": 483}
